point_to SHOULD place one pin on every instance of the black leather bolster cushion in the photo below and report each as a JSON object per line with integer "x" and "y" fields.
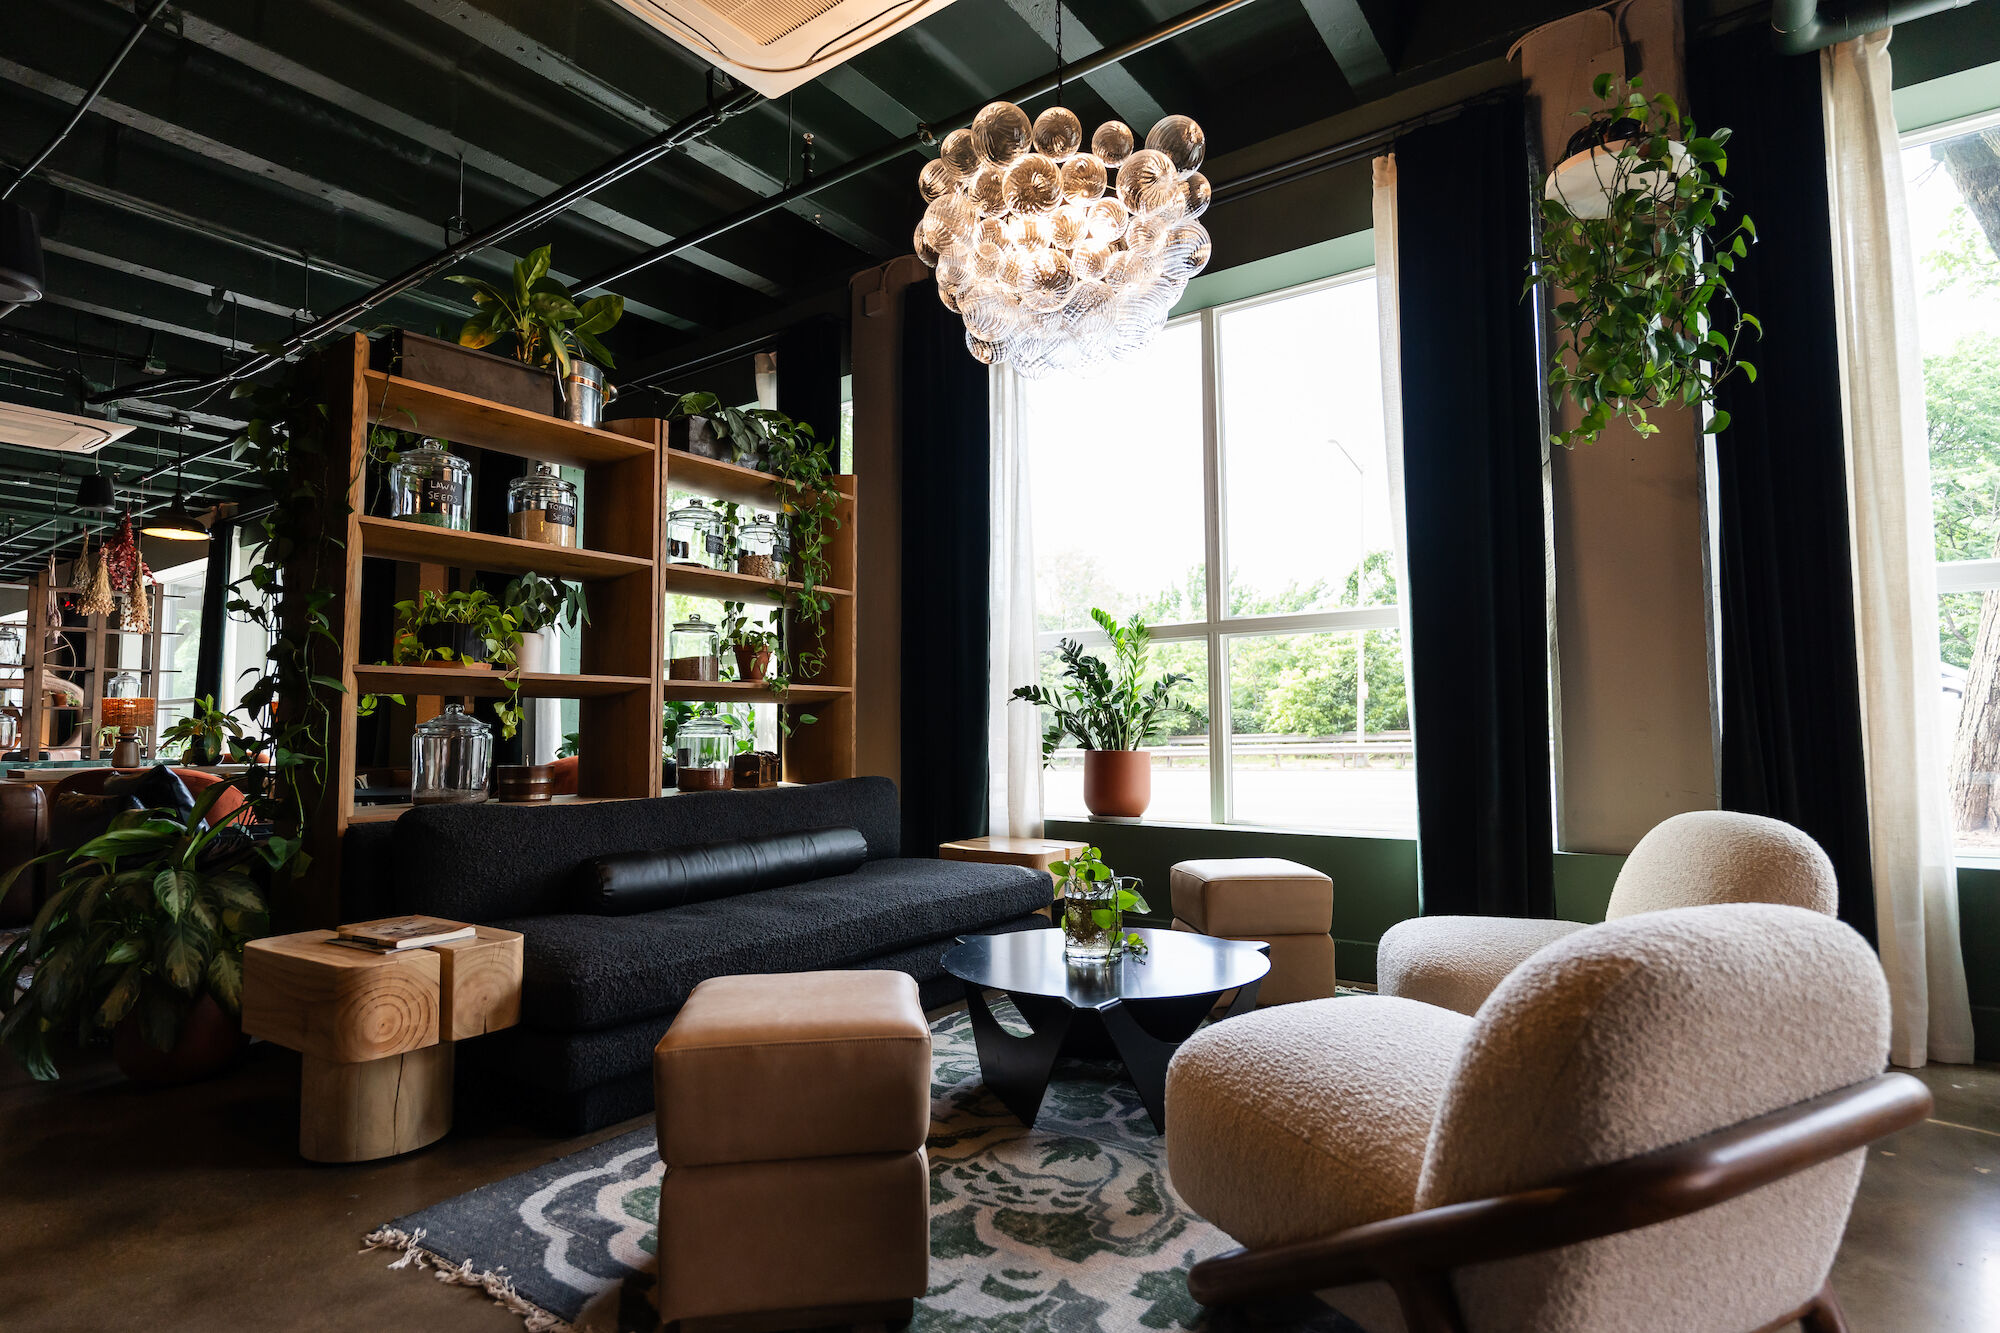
{"x": 628, "y": 882}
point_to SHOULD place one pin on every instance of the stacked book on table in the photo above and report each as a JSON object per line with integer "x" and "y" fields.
{"x": 399, "y": 933}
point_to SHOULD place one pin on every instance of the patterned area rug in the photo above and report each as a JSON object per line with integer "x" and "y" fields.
{"x": 1070, "y": 1226}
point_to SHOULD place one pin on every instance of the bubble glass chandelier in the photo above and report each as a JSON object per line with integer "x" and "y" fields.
{"x": 1059, "y": 257}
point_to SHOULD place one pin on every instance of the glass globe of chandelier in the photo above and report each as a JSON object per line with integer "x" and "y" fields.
{"x": 1057, "y": 256}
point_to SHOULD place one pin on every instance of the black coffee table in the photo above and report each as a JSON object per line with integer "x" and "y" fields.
{"x": 1137, "y": 1010}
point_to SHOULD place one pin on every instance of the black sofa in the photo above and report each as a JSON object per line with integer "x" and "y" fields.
{"x": 598, "y": 991}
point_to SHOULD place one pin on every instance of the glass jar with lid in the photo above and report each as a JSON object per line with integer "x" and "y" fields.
{"x": 451, "y": 757}
{"x": 694, "y": 536}
{"x": 705, "y": 754}
{"x": 763, "y": 548}
{"x": 541, "y": 507}
{"x": 694, "y": 651}
{"x": 431, "y": 484}
{"x": 10, "y": 646}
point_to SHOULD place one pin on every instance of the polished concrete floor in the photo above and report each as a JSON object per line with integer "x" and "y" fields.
{"x": 190, "y": 1209}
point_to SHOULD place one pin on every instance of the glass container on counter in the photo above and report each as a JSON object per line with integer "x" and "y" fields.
{"x": 763, "y": 549}
{"x": 451, "y": 759}
{"x": 431, "y": 484}
{"x": 694, "y": 651}
{"x": 694, "y": 536}
{"x": 541, "y": 507}
{"x": 704, "y": 754}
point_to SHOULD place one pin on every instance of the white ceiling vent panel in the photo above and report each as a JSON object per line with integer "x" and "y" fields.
{"x": 33, "y": 428}
{"x": 776, "y": 45}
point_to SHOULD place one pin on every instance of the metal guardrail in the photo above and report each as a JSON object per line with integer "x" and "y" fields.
{"x": 1398, "y": 747}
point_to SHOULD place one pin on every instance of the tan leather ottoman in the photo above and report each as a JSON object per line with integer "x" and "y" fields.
{"x": 792, "y": 1113}
{"x": 1285, "y": 904}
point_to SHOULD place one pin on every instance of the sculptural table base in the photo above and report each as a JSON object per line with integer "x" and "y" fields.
{"x": 1141, "y": 1034}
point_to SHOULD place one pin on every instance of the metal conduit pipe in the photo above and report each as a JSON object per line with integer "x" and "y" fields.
{"x": 1082, "y": 69}
{"x": 675, "y": 135}
{"x": 1798, "y": 29}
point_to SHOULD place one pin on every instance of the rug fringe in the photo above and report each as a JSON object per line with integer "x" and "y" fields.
{"x": 499, "y": 1288}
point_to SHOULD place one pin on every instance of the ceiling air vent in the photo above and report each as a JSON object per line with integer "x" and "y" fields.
{"x": 776, "y": 45}
{"x": 33, "y": 428}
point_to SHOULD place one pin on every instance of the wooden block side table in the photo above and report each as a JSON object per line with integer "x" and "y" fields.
{"x": 1035, "y": 853}
{"x": 377, "y": 1031}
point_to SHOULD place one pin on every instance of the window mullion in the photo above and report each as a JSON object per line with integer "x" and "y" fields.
{"x": 1216, "y": 566}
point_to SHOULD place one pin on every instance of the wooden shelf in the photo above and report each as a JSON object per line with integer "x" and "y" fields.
{"x": 721, "y": 481}
{"x": 374, "y": 678}
{"x": 462, "y": 419}
{"x": 737, "y": 691}
{"x": 391, "y": 811}
{"x": 726, "y": 586}
{"x": 398, "y": 539}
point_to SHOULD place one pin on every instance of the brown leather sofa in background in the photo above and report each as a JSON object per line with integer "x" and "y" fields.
{"x": 24, "y": 827}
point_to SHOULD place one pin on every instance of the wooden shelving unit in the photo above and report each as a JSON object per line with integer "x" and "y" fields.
{"x": 618, "y": 687}
{"x": 824, "y": 749}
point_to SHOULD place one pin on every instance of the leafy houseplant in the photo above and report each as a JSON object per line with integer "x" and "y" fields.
{"x": 1111, "y": 713}
{"x": 534, "y": 604}
{"x": 753, "y": 644}
{"x": 142, "y": 939}
{"x": 1638, "y": 263}
{"x": 206, "y": 734}
{"x": 540, "y": 315}
{"x": 1094, "y": 901}
{"x": 466, "y": 629}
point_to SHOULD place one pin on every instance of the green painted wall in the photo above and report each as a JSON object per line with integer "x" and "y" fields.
{"x": 1375, "y": 886}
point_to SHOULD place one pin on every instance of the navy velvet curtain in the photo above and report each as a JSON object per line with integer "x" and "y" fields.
{"x": 945, "y": 554}
{"x": 1474, "y": 424}
{"x": 1791, "y": 693}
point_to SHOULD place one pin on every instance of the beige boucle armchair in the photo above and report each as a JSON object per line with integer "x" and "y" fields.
{"x": 1654, "y": 1123}
{"x": 1690, "y": 860}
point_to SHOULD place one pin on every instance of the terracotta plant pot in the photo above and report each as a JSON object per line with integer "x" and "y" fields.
{"x": 1118, "y": 783}
{"x": 752, "y": 663}
{"x": 209, "y": 1043}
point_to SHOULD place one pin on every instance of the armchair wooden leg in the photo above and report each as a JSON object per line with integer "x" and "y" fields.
{"x": 1823, "y": 1315}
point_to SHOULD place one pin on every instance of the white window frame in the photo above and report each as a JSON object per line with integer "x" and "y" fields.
{"x": 1218, "y": 626}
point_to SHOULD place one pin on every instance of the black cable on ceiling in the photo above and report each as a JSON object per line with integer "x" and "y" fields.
{"x": 76, "y": 117}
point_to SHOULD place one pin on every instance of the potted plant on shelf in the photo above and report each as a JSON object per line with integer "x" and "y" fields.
{"x": 1111, "y": 714}
{"x": 455, "y": 629}
{"x": 545, "y": 324}
{"x": 698, "y": 423}
{"x": 205, "y": 735}
{"x": 537, "y": 605}
{"x": 142, "y": 942}
{"x": 753, "y": 644}
{"x": 1637, "y": 263}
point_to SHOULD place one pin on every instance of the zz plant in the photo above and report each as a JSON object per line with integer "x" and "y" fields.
{"x": 1107, "y": 707}
{"x": 1639, "y": 271}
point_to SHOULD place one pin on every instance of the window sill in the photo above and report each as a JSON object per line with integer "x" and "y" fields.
{"x": 1086, "y": 821}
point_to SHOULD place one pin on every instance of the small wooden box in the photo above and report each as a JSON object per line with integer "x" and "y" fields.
{"x": 759, "y": 768}
{"x": 467, "y": 370}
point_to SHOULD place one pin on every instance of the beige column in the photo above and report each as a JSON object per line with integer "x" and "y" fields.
{"x": 1632, "y": 687}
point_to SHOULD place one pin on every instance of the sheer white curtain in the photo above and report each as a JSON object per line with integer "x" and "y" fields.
{"x": 1013, "y": 738}
{"x": 1389, "y": 323}
{"x": 1895, "y": 584}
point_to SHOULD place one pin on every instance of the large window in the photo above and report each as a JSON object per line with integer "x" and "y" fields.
{"x": 1952, "y": 175}
{"x": 1230, "y": 483}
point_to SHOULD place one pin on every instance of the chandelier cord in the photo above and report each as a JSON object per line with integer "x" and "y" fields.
{"x": 1059, "y": 54}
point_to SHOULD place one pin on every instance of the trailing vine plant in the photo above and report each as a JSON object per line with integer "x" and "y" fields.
{"x": 1638, "y": 268}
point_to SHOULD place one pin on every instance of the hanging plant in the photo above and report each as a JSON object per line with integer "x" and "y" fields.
{"x": 95, "y": 580}
{"x": 138, "y": 614}
{"x": 1637, "y": 264}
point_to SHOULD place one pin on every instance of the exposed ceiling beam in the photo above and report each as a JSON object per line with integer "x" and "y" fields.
{"x": 868, "y": 97}
{"x": 302, "y": 77}
{"x": 525, "y": 50}
{"x": 1351, "y": 40}
{"x": 419, "y": 231}
{"x": 1123, "y": 93}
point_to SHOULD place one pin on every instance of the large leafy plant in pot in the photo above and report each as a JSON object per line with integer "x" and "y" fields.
{"x": 142, "y": 941}
{"x": 539, "y": 316}
{"x": 1636, "y": 259}
{"x": 1112, "y": 713}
